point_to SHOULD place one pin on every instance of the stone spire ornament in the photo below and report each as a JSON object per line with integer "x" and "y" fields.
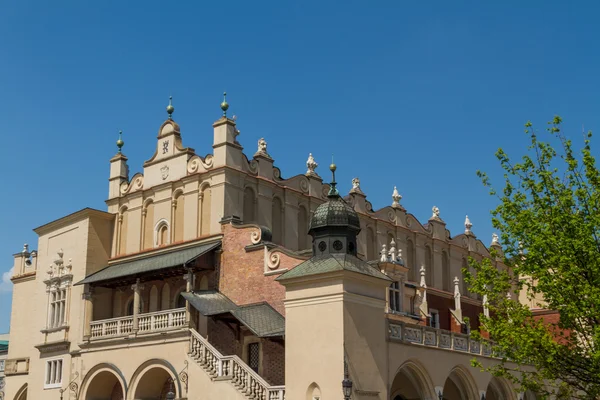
{"x": 120, "y": 141}
{"x": 224, "y": 105}
{"x": 170, "y": 108}
{"x": 456, "y": 293}
{"x": 486, "y": 309}
{"x": 384, "y": 255}
{"x": 468, "y": 226}
{"x": 311, "y": 165}
{"x": 392, "y": 251}
{"x": 396, "y": 197}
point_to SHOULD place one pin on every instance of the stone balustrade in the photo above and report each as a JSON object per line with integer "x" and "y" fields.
{"x": 149, "y": 322}
{"x": 432, "y": 337}
{"x": 232, "y": 368}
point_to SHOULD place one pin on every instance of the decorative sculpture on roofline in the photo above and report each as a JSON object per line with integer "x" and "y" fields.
{"x": 468, "y": 226}
{"x": 262, "y": 148}
{"x": 435, "y": 213}
{"x": 396, "y": 197}
{"x": 456, "y": 293}
{"x": 356, "y": 186}
{"x": 495, "y": 239}
{"x": 311, "y": 165}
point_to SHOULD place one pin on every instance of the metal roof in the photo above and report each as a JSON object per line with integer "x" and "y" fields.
{"x": 335, "y": 212}
{"x": 149, "y": 264}
{"x": 262, "y": 319}
{"x": 209, "y": 302}
{"x": 331, "y": 263}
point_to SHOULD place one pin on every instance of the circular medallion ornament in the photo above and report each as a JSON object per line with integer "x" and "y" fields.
{"x": 322, "y": 246}
{"x": 337, "y": 245}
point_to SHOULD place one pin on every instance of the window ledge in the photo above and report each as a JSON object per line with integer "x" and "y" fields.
{"x": 55, "y": 329}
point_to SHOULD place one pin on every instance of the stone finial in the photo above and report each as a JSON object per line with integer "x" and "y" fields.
{"x": 456, "y": 293}
{"x": 60, "y": 253}
{"x": 311, "y": 165}
{"x": 423, "y": 282}
{"x": 495, "y": 239}
{"x": 25, "y": 249}
{"x": 356, "y": 186}
{"x": 468, "y": 226}
{"x": 384, "y": 253}
{"x": 486, "y": 309}
{"x": 521, "y": 252}
{"x": 396, "y": 197}
{"x": 435, "y": 213}
{"x": 508, "y": 296}
{"x": 392, "y": 251}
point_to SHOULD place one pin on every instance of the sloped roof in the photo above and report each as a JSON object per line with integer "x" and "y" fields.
{"x": 331, "y": 263}
{"x": 150, "y": 264}
{"x": 262, "y": 319}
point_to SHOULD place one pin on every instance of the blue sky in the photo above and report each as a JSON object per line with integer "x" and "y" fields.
{"x": 413, "y": 94}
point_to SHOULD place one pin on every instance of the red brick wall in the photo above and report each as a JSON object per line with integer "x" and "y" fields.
{"x": 223, "y": 338}
{"x": 443, "y": 305}
{"x": 273, "y": 361}
{"x": 241, "y": 273}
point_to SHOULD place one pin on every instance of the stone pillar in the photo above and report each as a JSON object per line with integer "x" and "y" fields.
{"x": 189, "y": 286}
{"x": 137, "y": 287}
{"x": 88, "y": 312}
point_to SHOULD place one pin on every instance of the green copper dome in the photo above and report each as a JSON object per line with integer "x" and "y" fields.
{"x": 335, "y": 213}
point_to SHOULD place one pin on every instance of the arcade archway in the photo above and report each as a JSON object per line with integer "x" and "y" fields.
{"x": 460, "y": 386}
{"x": 103, "y": 382}
{"x": 153, "y": 380}
{"x": 411, "y": 383}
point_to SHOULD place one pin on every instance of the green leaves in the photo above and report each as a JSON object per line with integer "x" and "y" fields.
{"x": 548, "y": 217}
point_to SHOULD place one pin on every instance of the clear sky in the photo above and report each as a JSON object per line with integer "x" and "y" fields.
{"x": 413, "y": 94}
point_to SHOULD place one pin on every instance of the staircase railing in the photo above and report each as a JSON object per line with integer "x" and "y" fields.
{"x": 245, "y": 379}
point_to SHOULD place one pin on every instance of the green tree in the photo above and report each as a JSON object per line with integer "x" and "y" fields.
{"x": 549, "y": 222}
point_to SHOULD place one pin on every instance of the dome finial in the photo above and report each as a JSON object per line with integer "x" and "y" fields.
{"x": 333, "y": 190}
{"x": 170, "y": 107}
{"x": 120, "y": 141}
{"x": 224, "y": 104}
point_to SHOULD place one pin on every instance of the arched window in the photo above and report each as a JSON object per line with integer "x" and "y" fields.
{"x": 445, "y": 272}
{"x": 162, "y": 233}
{"x": 180, "y": 301}
{"x": 428, "y": 266}
{"x": 302, "y": 228}
{"x": 122, "y": 231}
{"x": 465, "y": 287}
{"x": 205, "y": 210}
{"x": 165, "y": 297}
{"x": 148, "y": 222}
{"x": 249, "y": 206}
{"x": 413, "y": 274}
{"x": 130, "y": 307}
{"x": 370, "y": 245}
{"x": 153, "y": 304}
{"x": 178, "y": 217}
{"x": 277, "y": 216}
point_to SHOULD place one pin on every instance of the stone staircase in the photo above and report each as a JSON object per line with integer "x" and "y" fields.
{"x": 233, "y": 369}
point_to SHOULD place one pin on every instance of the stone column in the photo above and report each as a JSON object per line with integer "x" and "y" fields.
{"x": 137, "y": 287}
{"x": 88, "y": 312}
{"x": 189, "y": 278}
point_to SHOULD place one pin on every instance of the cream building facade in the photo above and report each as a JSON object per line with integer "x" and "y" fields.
{"x": 201, "y": 281}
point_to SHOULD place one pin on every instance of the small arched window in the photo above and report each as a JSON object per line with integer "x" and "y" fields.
{"x": 465, "y": 286}
{"x": 370, "y": 244}
{"x": 180, "y": 301}
{"x": 413, "y": 270}
{"x": 445, "y": 272}
{"x": 428, "y": 267}
{"x": 161, "y": 237}
{"x": 302, "y": 228}
{"x": 277, "y": 219}
{"x": 249, "y": 201}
